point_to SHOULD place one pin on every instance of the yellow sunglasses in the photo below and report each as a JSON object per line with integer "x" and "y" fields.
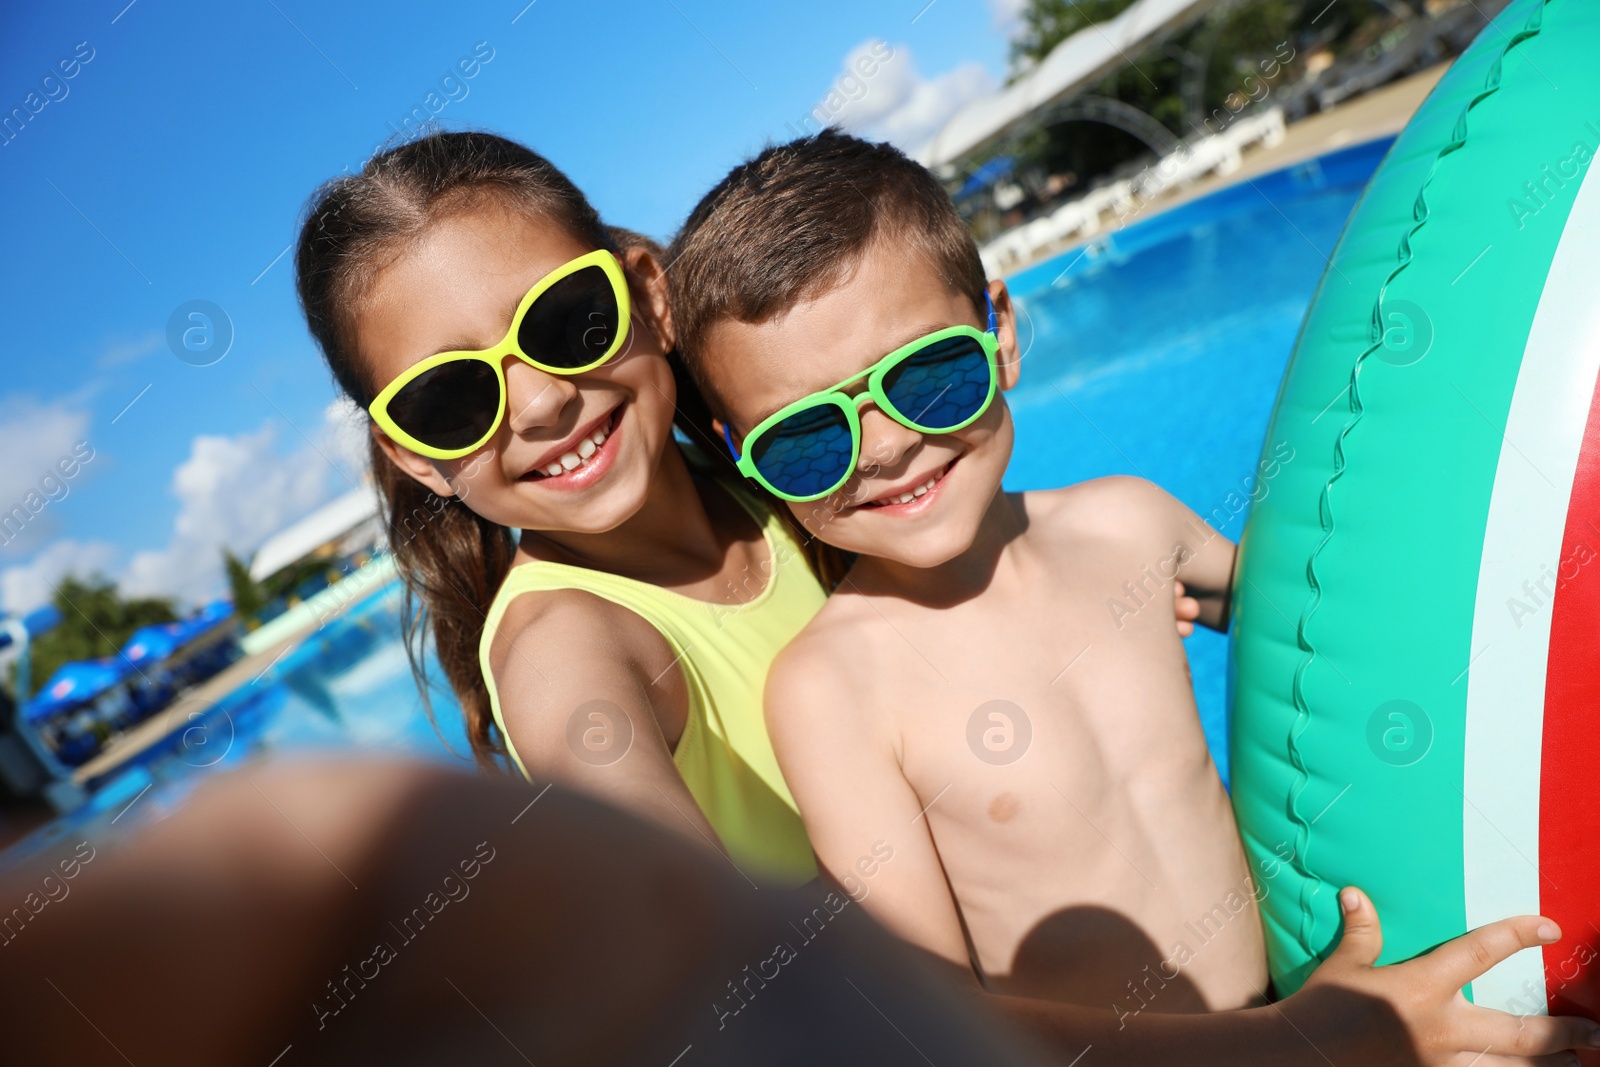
{"x": 573, "y": 319}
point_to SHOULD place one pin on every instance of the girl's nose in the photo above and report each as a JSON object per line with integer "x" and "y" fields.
{"x": 883, "y": 442}
{"x": 534, "y": 398}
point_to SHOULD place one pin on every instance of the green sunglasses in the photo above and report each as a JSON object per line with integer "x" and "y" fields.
{"x": 937, "y": 384}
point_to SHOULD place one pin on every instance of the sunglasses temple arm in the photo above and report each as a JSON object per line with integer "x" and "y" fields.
{"x": 727, "y": 435}
{"x": 994, "y": 322}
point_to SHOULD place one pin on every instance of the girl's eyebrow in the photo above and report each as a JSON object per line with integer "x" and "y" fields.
{"x": 464, "y": 346}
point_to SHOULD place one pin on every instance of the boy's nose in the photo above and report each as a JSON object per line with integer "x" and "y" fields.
{"x": 534, "y": 398}
{"x": 883, "y": 441}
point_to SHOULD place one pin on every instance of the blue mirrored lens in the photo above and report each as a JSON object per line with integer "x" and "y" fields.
{"x": 806, "y": 454}
{"x": 941, "y": 386}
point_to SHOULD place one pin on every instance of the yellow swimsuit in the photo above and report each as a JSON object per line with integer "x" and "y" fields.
{"x": 724, "y": 651}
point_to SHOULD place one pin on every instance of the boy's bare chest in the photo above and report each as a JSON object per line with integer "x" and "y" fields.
{"x": 1059, "y": 676}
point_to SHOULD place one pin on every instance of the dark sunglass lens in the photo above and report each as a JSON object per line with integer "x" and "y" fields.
{"x": 941, "y": 386}
{"x": 572, "y": 323}
{"x": 806, "y": 454}
{"x": 450, "y": 406}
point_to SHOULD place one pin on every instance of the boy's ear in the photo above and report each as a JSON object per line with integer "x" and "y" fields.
{"x": 719, "y": 430}
{"x": 418, "y": 468}
{"x": 1009, "y": 357}
{"x": 650, "y": 279}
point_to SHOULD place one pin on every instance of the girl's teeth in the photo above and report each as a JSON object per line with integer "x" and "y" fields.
{"x": 585, "y": 451}
{"x": 920, "y": 490}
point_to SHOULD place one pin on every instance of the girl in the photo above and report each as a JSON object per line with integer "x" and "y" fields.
{"x": 514, "y": 361}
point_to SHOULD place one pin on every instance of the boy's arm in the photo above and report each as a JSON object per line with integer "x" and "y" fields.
{"x": 1182, "y": 542}
{"x": 865, "y": 821}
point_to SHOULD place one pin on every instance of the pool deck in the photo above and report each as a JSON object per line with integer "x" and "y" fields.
{"x": 1380, "y": 113}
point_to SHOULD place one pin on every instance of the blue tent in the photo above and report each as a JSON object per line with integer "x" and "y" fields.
{"x": 151, "y": 644}
{"x": 986, "y": 175}
{"x": 76, "y": 683}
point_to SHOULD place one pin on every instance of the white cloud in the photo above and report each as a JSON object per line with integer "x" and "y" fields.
{"x": 34, "y": 439}
{"x": 344, "y": 428}
{"x": 237, "y": 491}
{"x": 231, "y": 490}
{"x": 131, "y": 350}
{"x": 881, "y": 95}
{"x": 32, "y": 584}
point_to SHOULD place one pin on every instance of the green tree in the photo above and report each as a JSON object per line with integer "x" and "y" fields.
{"x": 96, "y": 621}
{"x": 248, "y": 595}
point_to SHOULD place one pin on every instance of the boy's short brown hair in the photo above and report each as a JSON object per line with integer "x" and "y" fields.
{"x": 790, "y": 224}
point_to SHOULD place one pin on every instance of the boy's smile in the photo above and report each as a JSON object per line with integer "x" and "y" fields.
{"x": 898, "y": 504}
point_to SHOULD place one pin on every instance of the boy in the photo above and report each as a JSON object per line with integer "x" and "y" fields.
{"x": 1032, "y": 760}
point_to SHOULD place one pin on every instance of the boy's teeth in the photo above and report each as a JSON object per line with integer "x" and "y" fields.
{"x": 585, "y": 448}
{"x": 906, "y": 498}
{"x": 569, "y": 460}
{"x": 554, "y": 469}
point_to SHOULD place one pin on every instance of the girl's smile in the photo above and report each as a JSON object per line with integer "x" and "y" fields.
{"x": 584, "y": 458}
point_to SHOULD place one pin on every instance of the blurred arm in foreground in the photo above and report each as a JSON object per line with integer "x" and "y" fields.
{"x": 379, "y": 911}
{"x": 389, "y": 912}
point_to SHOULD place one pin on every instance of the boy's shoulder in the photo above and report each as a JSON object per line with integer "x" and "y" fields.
{"x": 826, "y": 669}
{"x": 1118, "y": 507}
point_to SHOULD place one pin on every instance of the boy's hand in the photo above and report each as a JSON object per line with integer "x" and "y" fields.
{"x": 1445, "y": 1029}
{"x": 1187, "y": 608}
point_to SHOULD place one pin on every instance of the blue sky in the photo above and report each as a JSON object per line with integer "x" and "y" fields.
{"x": 172, "y": 166}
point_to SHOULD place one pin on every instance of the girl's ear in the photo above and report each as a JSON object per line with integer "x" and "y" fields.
{"x": 418, "y": 468}
{"x": 650, "y": 289}
{"x": 1009, "y": 357}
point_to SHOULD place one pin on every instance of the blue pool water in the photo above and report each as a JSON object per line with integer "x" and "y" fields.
{"x": 1155, "y": 351}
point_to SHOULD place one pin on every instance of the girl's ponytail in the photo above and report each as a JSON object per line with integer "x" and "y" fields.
{"x": 451, "y": 559}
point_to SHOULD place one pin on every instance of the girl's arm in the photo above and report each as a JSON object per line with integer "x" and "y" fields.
{"x": 589, "y": 693}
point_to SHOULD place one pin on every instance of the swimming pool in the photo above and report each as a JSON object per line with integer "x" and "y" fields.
{"x": 1154, "y": 351}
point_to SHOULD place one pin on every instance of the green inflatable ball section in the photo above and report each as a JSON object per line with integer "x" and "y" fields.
{"x": 1416, "y": 658}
